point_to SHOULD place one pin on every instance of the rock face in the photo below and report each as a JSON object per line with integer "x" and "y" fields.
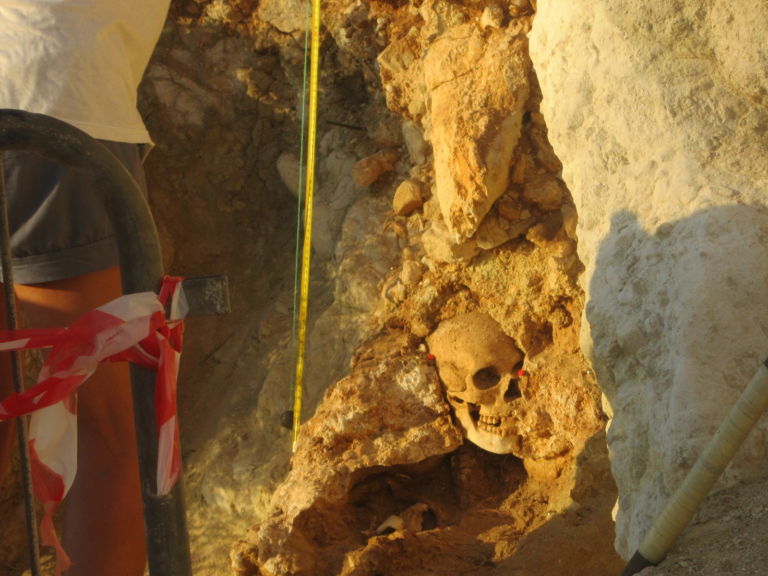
{"x": 658, "y": 112}
{"x": 437, "y": 195}
{"x": 467, "y": 85}
{"x": 477, "y": 86}
{"x": 387, "y": 415}
{"x": 456, "y": 208}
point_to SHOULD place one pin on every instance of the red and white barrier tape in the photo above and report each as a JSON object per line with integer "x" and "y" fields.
{"x": 131, "y": 328}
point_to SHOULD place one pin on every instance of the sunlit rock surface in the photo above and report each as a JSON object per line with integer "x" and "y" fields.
{"x": 657, "y": 111}
{"x": 388, "y": 413}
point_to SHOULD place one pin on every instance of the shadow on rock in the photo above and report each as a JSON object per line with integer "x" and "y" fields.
{"x": 679, "y": 324}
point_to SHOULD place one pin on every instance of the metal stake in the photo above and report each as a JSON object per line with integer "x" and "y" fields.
{"x": 18, "y": 380}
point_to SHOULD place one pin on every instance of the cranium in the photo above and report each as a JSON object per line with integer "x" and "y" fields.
{"x": 480, "y": 367}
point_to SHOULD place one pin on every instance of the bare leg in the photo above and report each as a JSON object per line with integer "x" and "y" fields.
{"x": 104, "y": 524}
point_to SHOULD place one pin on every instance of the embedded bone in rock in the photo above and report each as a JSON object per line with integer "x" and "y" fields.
{"x": 480, "y": 367}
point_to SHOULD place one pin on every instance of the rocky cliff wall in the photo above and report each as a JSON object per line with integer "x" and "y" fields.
{"x": 458, "y": 178}
{"x": 437, "y": 194}
{"x": 658, "y": 113}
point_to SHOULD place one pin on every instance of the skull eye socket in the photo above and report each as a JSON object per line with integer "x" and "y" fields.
{"x": 486, "y": 378}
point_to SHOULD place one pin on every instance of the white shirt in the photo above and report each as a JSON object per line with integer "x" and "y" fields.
{"x": 80, "y": 61}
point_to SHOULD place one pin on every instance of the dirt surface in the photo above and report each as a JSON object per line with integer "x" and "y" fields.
{"x": 726, "y": 537}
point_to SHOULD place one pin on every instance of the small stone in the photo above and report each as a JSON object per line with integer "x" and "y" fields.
{"x": 547, "y": 193}
{"x": 411, "y": 273}
{"x": 395, "y": 292}
{"x": 440, "y": 247}
{"x": 289, "y": 169}
{"x": 492, "y": 17}
{"x": 547, "y": 236}
{"x": 491, "y": 233}
{"x": 518, "y": 7}
{"x": 509, "y": 208}
{"x": 407, "y": 197}
{"x": 414, "y": 142}
{"x": 518, "y": 173}
{"x": 287, "y": 16}
{"x": 370, "y": 169}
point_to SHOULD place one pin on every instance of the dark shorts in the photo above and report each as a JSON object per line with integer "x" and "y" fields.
{"x": 57, "y": 228}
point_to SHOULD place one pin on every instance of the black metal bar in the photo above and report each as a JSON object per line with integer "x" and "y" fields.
{"x": 141, "y": 269}
{"x": 636, "y": 564}
{"x": 17, "y": 376}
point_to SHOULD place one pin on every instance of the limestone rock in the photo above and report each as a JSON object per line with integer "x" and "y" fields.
{"x": 440, "y": 16}
{"x": 493, "y": 232}
{"x": 402, "y": 76}
{"x": 493, "y": 16}
{"x": 407, "y": 197}
{"x": 658, "y": 112}
{"x": 363, "y": 262}
{"x": 335, "y": 192}
{"x": 286, "y": 15}
{"x": 411, "y": 273}
{"x": 545, "y": 192}
{"x": 441, "y": 247}
{"x": 388, "y": 412}
{"x": 370, "y": 169}
{"x": 477, "y": 84}
{"x": 415, "y": 143}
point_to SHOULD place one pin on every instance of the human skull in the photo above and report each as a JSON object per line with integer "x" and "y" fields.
{"x": 481, "y": 369}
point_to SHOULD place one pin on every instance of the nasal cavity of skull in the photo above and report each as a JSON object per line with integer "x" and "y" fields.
{"x": 513, "y": 388}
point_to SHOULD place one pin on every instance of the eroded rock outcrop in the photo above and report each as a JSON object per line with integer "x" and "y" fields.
{"x": 467, "y": 85}
{"x": 389, "y": 417}
{"x": 477, "y": 86}
{"x": 481, "y": 223}
{"x": 658, "y": 113}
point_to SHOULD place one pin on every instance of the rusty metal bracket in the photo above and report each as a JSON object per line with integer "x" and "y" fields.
{"x": 207, "y": 295}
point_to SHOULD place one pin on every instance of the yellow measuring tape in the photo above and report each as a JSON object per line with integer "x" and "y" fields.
{"x": 307, "y": 246}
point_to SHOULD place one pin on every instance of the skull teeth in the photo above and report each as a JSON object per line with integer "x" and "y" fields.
{"x": 497, "y": 429}
{"x": 490, "y": 420}
{"x": 497, "y": 425}
{"x": 491, "y": 423}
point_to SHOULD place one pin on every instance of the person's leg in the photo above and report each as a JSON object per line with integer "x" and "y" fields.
{"x": 104, "y": 524}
